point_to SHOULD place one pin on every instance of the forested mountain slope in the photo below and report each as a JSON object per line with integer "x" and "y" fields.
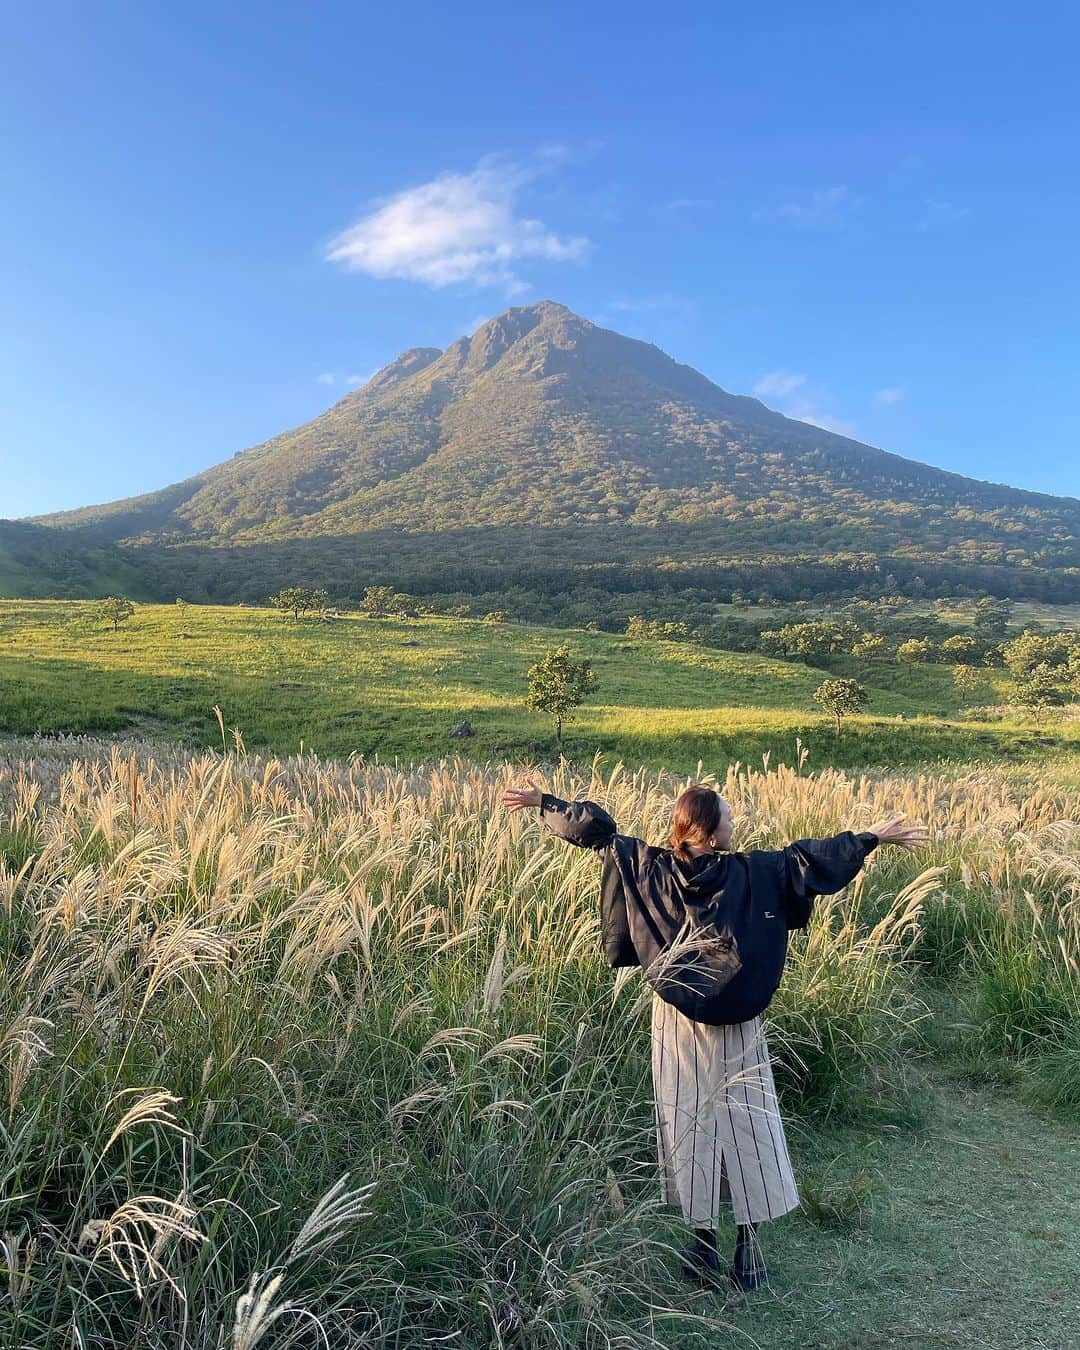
{"x": 545, "y": 441}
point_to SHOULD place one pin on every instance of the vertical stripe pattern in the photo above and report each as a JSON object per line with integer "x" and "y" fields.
{"x": 718, "y": 1128}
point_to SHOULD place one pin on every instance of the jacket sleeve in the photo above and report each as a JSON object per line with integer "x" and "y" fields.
{"x": 813, "y": 867}
{"x": 582, "y": 823}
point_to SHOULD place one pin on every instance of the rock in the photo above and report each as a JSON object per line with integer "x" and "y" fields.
{"x": 463, "y": 729}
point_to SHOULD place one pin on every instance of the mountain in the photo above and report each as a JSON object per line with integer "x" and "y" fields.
{"x": 545, "y": 443}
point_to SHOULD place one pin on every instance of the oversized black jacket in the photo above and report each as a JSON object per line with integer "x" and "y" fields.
{"x": 647, "y": 895}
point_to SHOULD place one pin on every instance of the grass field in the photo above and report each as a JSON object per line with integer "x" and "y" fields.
{"x": 332, "y": 1019}
{"x": 299, "y": 1053}
{"x": 396, "y": 688}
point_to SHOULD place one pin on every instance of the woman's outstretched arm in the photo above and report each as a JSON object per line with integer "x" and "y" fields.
{"x": 583, "y": 823}
{"x": 823, "y": 866}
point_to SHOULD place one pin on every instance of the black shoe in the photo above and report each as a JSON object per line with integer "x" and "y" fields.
{"x": 700, "y": 1261}
{"x": 748, "y": 1266}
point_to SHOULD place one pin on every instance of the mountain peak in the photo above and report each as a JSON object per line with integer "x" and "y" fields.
{"x": 495, "y": 337}
{"x": 535, "y": 313}
{"x": 402, "y": 367}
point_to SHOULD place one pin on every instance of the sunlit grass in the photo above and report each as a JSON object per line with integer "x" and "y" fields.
{"x": 395, "y": 688}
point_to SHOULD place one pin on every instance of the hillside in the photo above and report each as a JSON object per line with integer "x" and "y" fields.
{"x": 39, "y": 562}
{"x": 545, "y": 444}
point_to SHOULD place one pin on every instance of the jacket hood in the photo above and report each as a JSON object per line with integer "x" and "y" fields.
{"x": 702, "y": 876}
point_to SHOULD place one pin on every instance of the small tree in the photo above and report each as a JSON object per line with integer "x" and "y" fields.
{"x": 288, "y": 598}
{"x": 297, "y": 600}
{"x": 915, "y": 651}
{"x": 869, "y": 645}
{"x": 960, "y": 649}
{"x": 558, "y": 685}
{"x": 1039, "y": 690}
{"x": 966, "y": 679}
{"x": 840, "y": 697}
{"x": 378, "y": 601}
{"x": 115, "y": 609}
{"x": 1030, "y": 650}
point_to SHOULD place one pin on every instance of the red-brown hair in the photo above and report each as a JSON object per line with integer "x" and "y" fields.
{"x": 696, "y": 818}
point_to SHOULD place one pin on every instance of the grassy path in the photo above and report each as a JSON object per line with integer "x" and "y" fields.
{"x": 972, "y": 1240}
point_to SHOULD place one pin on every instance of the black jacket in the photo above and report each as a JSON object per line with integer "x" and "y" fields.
{"x": 647, "y": 895}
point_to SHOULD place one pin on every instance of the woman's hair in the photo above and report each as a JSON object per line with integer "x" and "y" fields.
{"x": 696, "y": 817}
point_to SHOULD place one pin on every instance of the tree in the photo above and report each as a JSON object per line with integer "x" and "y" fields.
{"x": 960, "y": 649}
{"x": 378, "y": 601}
{"x": 870, "y": 644}
{"x": 558, "y": 685}
{"x": 1074, "y": 671}
{"x": 814, "y": 642}
{"x": 670, "y": 630}
{"x": 115, "y": 609}
{"x": 991, "y": 618}
{"x": 1039, "y": 690}
{"x": 966, "y": 679}
{"x": 1030, "y": 650}
{"x": 840, "y": 697}
{"x": 297, "y": 600}
{"x": 915, "y": 651}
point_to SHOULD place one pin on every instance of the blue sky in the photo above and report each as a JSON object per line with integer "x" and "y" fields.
{"x": 218, "y": 219}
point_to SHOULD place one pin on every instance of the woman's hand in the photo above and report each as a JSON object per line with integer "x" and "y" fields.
{"x": 516, "y": 798}
{"x": 893, "y": 831}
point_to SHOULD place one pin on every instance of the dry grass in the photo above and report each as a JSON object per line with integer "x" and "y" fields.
{"x": 230, "y": 983}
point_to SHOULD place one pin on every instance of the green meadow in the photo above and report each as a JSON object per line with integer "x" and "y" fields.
{"x": 395, "y": 689}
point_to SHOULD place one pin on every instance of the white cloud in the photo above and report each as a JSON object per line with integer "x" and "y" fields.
{"x": 940, "y": 214}
{"x": 778, "y": 384}
{"x": 325, "y": 378}
{"x": 893, "y": 394}
{"x": 460, "y": 227}
{"x": 354, "y": 381}
{"x": 826, "y": 208}
{"x": 796, "y": 397}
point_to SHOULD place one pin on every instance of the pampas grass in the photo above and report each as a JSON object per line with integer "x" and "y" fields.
{"x": 230, "y": 983}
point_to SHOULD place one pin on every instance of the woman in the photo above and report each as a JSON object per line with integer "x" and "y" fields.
{"x": 709, "y": 927}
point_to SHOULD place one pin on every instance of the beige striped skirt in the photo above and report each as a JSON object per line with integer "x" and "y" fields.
{"x": 718, "y": 1129}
